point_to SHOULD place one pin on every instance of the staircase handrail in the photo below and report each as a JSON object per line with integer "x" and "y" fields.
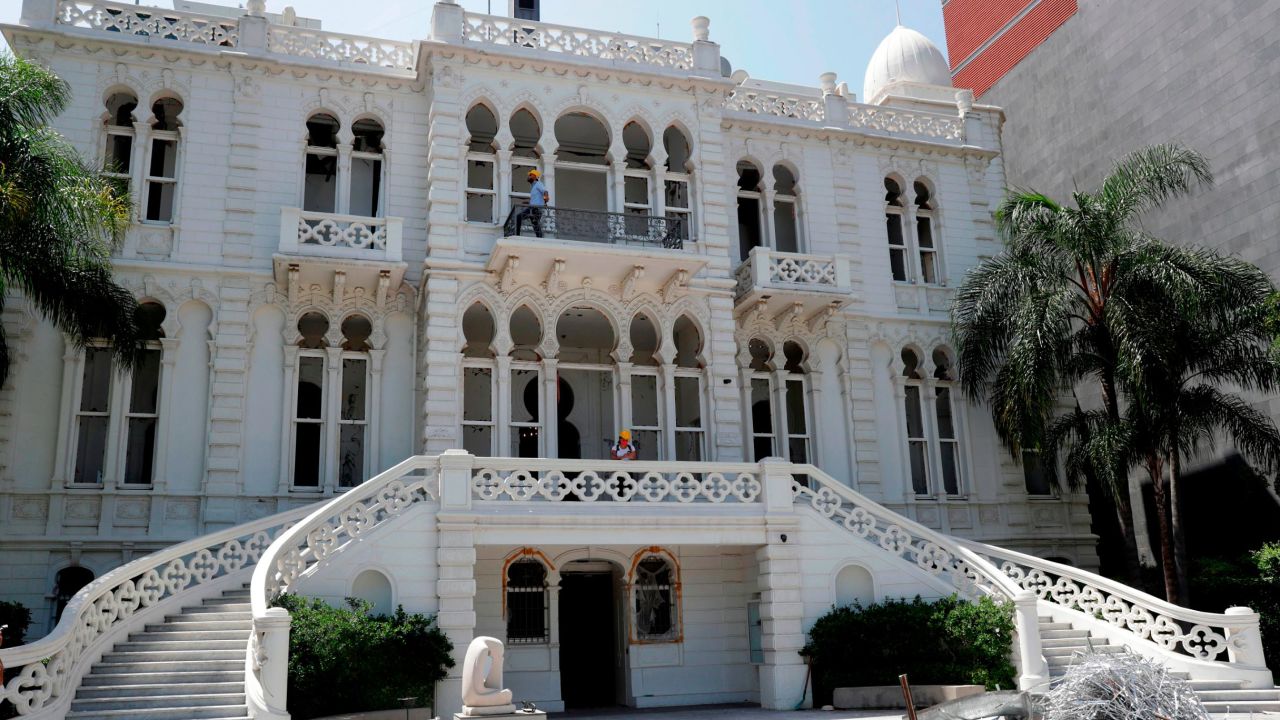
{"x": 321, "y": 533}
{"x": 50, "y": 668}
{"x": 928, "y": 549}
{"x": 1179, "y": 630}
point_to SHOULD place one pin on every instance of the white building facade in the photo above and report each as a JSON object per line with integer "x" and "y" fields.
{"x": 330, "y": 245}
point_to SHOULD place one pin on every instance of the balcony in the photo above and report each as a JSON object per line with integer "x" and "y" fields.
{"x": 339, "y": 252}
{"x": 568, "y": 248}
{"x": 777, "y": 282}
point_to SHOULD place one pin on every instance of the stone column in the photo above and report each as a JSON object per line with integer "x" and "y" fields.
{"x": 159, "y": 476}
{"x": 1244, "y": 641}
{"x": 373, "y": 403}
{"x": 667, "y": 384}
{"x": 549, "y": 177}
{"x": 1034, "y": 673}
{"x": 455, "y": 567}
{"x": 332, "y": 411}
{"x": 502, "y": 201}
{"x": 342, "y": 203}
{"x": 502, "y": 420}
{"x": 782, "y": 675}
{"x": 288, "y": 414}
{"x": 778, "y": 406}
{"x": 550, "y": 408}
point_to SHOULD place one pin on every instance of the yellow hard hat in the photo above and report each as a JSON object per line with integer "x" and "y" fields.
{"x": 535, "y": 174}
{"x": 625, "y": 434}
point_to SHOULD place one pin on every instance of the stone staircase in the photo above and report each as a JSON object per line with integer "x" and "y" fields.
{"x": 1062, "y": 643}
{"x": 189, "y": 667}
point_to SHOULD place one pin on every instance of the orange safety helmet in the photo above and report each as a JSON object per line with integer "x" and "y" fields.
{"x": 533, "y": 173}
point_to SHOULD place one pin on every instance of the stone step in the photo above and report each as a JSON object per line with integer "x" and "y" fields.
{"x": 1082, "y": 643}
{"x": 1199, "y": 685}
{"x": 189, "y": 654}
{"x": 108, "y": 666}
{"x": 185, "y": 685}
{"x": 225, "y": 603}
{"x": 1065, "y": 652}
{"x": 1058, "y": 634}
{"x": 158, "y": 702}
{"x": 1238, "y": 695}
{"x": 150, "y": 645}
{"x": 238, "y": 593}
{"x": 215, "y": 612}
{"x": 235, "y": 675}
{"x": 189, "y": 625}
{"x": 1054, "y": 625}
{"x": 180, "y": 635}
{"x": 209, "y": 712}
{"x": 1245, "y": 706}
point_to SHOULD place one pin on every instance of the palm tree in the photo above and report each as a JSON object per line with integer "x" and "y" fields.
{"x": 1180, "y": 408}
{"x": 60, "y": 219}
{"x": 1064, "y": 308}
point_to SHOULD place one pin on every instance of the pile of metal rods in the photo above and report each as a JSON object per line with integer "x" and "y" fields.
{"x": 1121, "y": 686}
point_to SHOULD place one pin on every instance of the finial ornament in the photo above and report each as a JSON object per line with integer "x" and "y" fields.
{"x": 897, "y": 6}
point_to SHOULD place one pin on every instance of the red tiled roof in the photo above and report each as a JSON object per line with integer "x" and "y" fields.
{"x": 985, "y": 69}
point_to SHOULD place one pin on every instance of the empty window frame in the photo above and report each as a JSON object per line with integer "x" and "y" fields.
{"x": 161, "y": 181}
{"x": 526, "y": 409}
{"x": 309, "y": 402}
{"x": 528, "y": 603}
{"x": 482, "y": 165}
{"x": 678, "y": 181}
{"x": 797, "y": 405}
{"x": 524, "y": 154}
{"x": 320, "y": 183}
{"x": 893, "y": 217}
{"x": 479, "y": 400}
{"x": 786, "y": 216}
{"x": 117, "y": 154}
{"x": 949, "y": 459}
{"x": 926, "y": 244}
{"x": 913, "y": 412}
{"x": 656, "y": 593}
{"x": 760, "y": 401}
{"x": 365, "y": 194}
{"x": 353, "y": 403}
{"x": 750, "y": 226}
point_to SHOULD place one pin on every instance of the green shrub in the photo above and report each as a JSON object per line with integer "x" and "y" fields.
{"x": 944, "y": 642}
{"x": 348, "y": 660}
{"x": 18, "y": 618}
{"x": 1251, "y": 581}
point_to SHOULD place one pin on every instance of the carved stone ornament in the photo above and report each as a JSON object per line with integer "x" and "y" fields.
{"x": 482, "y": 692}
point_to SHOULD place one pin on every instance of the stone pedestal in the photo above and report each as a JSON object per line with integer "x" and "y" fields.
{"x": 519, "y": 714}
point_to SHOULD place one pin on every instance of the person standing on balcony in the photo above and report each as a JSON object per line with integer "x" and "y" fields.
{"x": 539, "y": 198}
{"x": 624, "y": 449}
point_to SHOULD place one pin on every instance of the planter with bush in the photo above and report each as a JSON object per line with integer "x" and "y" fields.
{"x": 344, "y": 660}
{"x": 941, "y": 642}
{"x": 1251, "y": 581}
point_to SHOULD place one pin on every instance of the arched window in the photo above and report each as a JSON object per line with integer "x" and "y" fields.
{"x": 947, "y": 427}
{"x": 97, "y": 408}
{"x": 525, "y": 438}
{"x": 750, "y": 234}
{"x": 477, "y": 381}
{"x": 482, "y": 127}
{"x": 524, "y": 154}
{"x": 645, "y": 423}
{"x": 366, "y": 168}
{"x": 930, "y": 272}
{"x": 760, "y": 400}
{"x": 786, "y": 215}
{"x": 687, "y": 392}
{"x": 117, "y": 156}
{"x": 797, "y": 404}
{"x": 656, "y": 590}
{"x": 917, "y": 440}
{"x": 528, "y": 603}
{"x": 309, "y": 401}
{"x": 637, "y": 200}
{"x": 582, "y": 163}
{"x": 353, "y": 415}
{"x": 68, "y": 582}
{"x": 161, "y": 183}
{"x": 583, "y": 401}
{"x": 677, "y": 185}
{"x": 320, "y": 184}
{"x": 374, "y": 588}
{"x": 893, "y": 214}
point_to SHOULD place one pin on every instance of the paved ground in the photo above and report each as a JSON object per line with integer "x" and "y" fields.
{"x": 726, "y": 712}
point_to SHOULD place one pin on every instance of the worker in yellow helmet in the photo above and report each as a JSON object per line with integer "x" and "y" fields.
{"x": 539, "y": 198}
{"x": 624, "y": 449}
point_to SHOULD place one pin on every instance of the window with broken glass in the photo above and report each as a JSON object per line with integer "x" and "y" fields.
{"x": 528, "y": 603}
{"x": 655, "y": 600}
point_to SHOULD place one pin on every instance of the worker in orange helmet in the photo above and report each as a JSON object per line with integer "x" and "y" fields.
{"x": 539, "y": 198}
{"x": 624, "y": 449}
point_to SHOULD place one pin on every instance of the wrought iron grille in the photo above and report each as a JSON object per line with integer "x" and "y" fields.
{"x": 595, "y": 226}
{"x": 528, "y": 609}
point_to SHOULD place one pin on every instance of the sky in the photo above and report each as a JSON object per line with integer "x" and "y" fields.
{"x": 783, "y": 40}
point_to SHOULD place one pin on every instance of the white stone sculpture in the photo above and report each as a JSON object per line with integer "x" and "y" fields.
{"x": 482, "y": 692}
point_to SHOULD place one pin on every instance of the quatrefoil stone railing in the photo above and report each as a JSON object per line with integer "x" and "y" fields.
{"x": 48, "y": 671}
{"x": 496, "y": 479}
{"x": 340, "y": 48}
{"x": 148, "y": 22}
{"x": 1231, "y": 637}
{"x": 580, "y": 42}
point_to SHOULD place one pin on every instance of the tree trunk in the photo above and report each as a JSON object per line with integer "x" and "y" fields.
{"x": 1167, "y": 563}
{"x": 1179, "y": 535}
{"x": 1120, "y": 491}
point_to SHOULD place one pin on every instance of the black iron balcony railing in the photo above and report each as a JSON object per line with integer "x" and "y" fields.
{"x": 595, "y": 226}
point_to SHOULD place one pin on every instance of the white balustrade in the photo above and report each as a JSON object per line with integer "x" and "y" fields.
{"x": 1217, "y": 637}
{"x": 580, "y": 42}
{"x": 523, "y": 479}
{"x": 48, "y": 671}
{"x": 769, "y": 268}
{"x": 341, "y": 48}
{"x": 906, "y": 122}
{"x": 321, "y": 533}
{"x": 149, "y": 22}
{"x": 765, "y": 103}
{"x": 331, "y": 234}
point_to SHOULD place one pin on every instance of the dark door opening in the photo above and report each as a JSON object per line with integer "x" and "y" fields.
{"x": 588, "y": 652}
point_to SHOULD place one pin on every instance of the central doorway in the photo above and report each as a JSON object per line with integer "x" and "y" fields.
{"x": 592, "y": 646}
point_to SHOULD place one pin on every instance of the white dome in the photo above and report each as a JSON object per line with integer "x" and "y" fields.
{"x": 904, "y": 56}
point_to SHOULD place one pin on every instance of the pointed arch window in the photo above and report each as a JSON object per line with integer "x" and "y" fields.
{"x": 526, "y": 132}
{"x": 799, "y": 436}
{"x": 479, "y": 400}
{"x": 786, "y": 210}
{"x": 930, "y": 269}
{"x": 677, "y": 186}
{"x": 946, "y": 422}
{"x": 913, "y": 411}
{"x": 637, "y": 200}
{"x": 161, "y": 182}
{"x": 482, "y": 164}
{"x": 367, "y": 155}
{"x": 528, "y": 603}
{"x": 320, "y": 184}
{"x": 117, "y": 155}
{"x": 750, "y": 231}
{"x": 656, "y": 594}
{"x": 893, "y": 217}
